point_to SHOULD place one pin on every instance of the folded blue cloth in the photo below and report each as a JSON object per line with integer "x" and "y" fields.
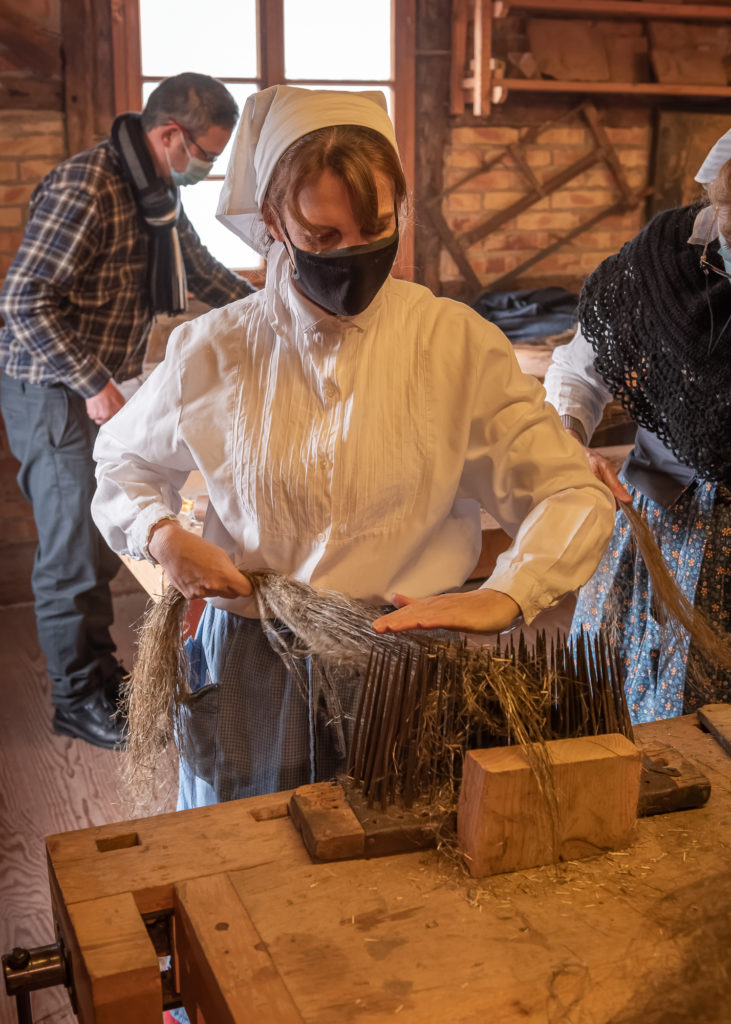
{"x": 530, "y": 314}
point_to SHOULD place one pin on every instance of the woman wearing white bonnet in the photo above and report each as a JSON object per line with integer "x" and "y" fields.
{"x": 655, "y": 332}
{"x": 348, "y": 426}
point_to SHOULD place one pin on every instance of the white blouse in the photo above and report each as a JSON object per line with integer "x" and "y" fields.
{"x": 354, "y": 453}
{"x": 574, "y": 387}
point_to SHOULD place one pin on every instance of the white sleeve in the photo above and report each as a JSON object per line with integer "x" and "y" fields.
{"x": 574, "y": 387}
{"x": 142, "y": 462}
{"x": 536, "y": 482}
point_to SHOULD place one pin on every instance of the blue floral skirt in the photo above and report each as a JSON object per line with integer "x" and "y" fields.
{"x": 665, "y": 675}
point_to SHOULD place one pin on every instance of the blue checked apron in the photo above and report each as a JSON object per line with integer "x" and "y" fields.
{"x": 253, "y": 726}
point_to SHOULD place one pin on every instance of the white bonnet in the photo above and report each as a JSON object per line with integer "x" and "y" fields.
{"x": 705, "y": 226}
{"x": 717, "y": 156}
{"x": 271, "y": 121}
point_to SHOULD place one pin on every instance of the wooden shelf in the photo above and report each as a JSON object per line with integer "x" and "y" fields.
{"x": 485, "y": 85}
{"x": 617, "y": 9}
{"x": 502, "y": 86}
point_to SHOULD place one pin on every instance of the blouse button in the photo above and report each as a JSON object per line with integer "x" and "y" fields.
{"x": 321, "y": 538}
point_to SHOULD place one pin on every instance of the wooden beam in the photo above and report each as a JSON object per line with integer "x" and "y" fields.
{"x": 78, "y": 75}
{"x": 403, "y": 63}
{"x": 29, "y": 46}
{"x": 116, "y": 975}
{"x": 482, "y": 69}
{"x": 452, "y": 246}
{"x": 460, "y": 19}
{"x": 270, "y": 18}
{"x": 608, "y": 211}
{"x": 550, "y": 185}
{"x": 432, "y": 70}
{"x": 27, "y": 93}
{"x": 609, "y": 152}
{"x": 127, "y": 59}
{"x": 458, "y": 245}
{"x": 528, "y": 136}
{"x": 226, "y": 970}
{"x": 716, "y": 719}
{"x": 536, "y": 85}
{"x": 619, "y": 9}
{"x": 88, "y": 76}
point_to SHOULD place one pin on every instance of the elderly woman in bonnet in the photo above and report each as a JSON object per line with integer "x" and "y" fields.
{"x": 348, "y": 426}
{"x": 655, "y": 332}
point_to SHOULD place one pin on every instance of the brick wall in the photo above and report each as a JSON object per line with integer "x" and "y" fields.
{"x": 539, "y": 226}
{"x": 31, "y": 143}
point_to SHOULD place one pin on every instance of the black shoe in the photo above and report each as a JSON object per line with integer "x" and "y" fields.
{"x": 92, "y": 721}
{"x": 113, "y": 685}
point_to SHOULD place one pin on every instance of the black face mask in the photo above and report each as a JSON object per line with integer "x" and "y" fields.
{"x": 344, "y": 281}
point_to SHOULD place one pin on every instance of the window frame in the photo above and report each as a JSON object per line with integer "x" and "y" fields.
{"x": 128, "y": 78}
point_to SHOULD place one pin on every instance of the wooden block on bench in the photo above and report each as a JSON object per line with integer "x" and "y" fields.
{"x": 330, "y": 830}
{"x": 503, "y": 821}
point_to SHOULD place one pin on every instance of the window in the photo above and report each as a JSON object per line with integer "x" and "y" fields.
{"x": 251, "y": 44}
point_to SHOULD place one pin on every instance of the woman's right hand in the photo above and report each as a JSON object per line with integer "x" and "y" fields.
{"x": 194, "y": 565}
{"x": 603, "y": 470}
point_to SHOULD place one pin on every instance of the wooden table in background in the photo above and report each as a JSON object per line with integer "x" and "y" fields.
{"x": 263, "y": 934}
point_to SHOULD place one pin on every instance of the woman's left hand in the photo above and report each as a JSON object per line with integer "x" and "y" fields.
{"x": 474, "y": 611}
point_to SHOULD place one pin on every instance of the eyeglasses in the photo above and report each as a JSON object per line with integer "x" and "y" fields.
{"x": 210, "y": 158}
{"x": 706, "y": 265}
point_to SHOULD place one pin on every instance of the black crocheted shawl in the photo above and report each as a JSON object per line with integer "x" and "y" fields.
{"x": 646, "y": 314}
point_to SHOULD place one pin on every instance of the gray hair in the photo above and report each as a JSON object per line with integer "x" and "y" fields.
{"x": 195, "y": 102}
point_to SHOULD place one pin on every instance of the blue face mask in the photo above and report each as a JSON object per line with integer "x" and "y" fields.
{"x": 724, "y": 250}
{"x": 195, "y": 170}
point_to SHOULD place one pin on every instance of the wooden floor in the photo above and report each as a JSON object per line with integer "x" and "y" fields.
{"x": 48, "y": 783}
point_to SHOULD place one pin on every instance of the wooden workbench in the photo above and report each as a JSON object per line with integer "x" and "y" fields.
{"x": 263, "y": 934}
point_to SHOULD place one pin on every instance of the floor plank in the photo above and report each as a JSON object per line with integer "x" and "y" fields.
{"x": 48, "y": 784}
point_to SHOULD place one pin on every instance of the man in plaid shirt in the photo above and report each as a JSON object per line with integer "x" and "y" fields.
{"x": 106, "y": 247}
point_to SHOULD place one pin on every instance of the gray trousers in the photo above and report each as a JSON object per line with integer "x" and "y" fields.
{"x": 52, "y": 437}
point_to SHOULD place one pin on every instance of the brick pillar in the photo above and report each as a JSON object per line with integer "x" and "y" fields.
{"x": 31, "y": 144}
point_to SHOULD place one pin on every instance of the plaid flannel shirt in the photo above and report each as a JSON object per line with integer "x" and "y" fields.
{"x": 76, "y": 302}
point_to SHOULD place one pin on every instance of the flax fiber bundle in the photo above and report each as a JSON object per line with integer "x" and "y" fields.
{"x": 670, "y": 605}
{"x": 332, "y": 627}
{"x": 424, "y": 701}
{"x": 151, "y": 695}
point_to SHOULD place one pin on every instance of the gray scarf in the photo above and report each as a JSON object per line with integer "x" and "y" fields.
{"x": 159, "y": 205}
